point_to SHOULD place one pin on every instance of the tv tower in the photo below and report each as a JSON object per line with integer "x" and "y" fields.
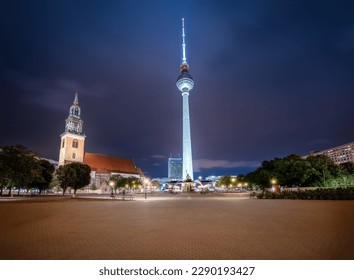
{"x": 185, "y": 84}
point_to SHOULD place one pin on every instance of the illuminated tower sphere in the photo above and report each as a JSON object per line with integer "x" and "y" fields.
{"x": 185, "y": 83}
{"x": 72, "y": 140}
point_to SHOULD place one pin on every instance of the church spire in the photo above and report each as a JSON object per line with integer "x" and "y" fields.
{"x": 72, "y": 140}
{"x": 76, "y": 100}
{"x": 75, "y": 110}
{"x": 74, "y": 122}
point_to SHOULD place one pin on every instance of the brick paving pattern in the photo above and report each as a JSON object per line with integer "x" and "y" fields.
{"x": 177, "y": 227}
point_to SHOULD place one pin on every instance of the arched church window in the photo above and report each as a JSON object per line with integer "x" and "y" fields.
{"x": 75, "y": 143}
{"x": 63, "y": 143}
{"x": 74, "y": 155}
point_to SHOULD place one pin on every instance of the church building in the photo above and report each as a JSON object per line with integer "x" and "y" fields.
{"x": 72, "y": 149}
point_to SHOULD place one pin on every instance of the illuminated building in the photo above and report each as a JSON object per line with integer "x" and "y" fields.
{"x": 72, "y": 149}
{"x": 175, "y": 165}
{"x": 72, "y": 140}
{"x": 340, "y": 154}
{"x": 185, "y": 84}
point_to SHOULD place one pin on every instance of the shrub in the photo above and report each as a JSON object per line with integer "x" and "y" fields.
{"x": 316, "y": 194}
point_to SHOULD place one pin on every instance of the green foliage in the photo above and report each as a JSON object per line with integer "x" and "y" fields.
{"x": 227, "y": 181}
{"x": 316, "y": 194}
{"x": 65, "y": 177}
{"x": 337, "y": 182}
{"x": 43, "y": 182}
{"x": 21, "y": 168}
{"x": 93, "y": 187}
{"x": 314, "y": 171}
{"x": 75, "y": 175}
{"x": 125, "y": 182}
{"x": 156, "y": 184}
{"x": 347, "y": 168}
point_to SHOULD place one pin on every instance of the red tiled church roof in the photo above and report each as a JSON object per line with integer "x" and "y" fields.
{"x": 102, "y": 163}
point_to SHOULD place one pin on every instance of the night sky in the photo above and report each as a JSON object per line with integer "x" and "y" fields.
{"x": 272, "y": 78}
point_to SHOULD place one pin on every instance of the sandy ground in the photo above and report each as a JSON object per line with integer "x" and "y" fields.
{"x": 179, "y": 227}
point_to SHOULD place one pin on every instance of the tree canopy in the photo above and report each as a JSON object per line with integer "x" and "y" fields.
{"x": 42, "y": 182}
{"x": 75, "y": 175}
{"x": 125, "y": 182}
{"x": 293, "y": 170}
{"x": 22, "y": 168}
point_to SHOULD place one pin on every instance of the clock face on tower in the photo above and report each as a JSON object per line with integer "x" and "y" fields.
{"x": 73, "y": 126}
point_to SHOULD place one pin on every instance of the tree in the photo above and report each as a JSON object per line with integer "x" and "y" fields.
{"x": 260, "y": 177}
{"x": 126, "y": 182}
{"x": 46, "y": 171}
{"x": 75, "y": 175}
{"x": 4, "y": 172}
{"x": 82, "y": 175}
{"x": 322, "y": 170}
{"x": 19, "y": 167}
{"x": 65, "y": 177}
{"x": 347, "y": 168}
{"x": 93, "y": 187}
{"x": 224, "y": 181}
{"x": 155, "y": 183}
{"x": 295, "y": 171}
{"x": 117, "y": 182}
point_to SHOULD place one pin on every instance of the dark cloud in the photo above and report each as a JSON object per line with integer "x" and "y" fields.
{"x": 271, "y": 78}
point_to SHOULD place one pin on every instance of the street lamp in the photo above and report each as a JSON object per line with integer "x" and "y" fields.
{"x": 146, "y": 182}
{"x": 275, "y": 186}
{"x": 112, "y": 183}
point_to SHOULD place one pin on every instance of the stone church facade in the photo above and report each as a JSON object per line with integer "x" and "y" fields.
{"x": 72, "y": 149}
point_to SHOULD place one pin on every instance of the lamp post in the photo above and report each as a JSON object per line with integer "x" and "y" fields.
{"x": 146, "y": 182}
{"x": 275, "y": 186}
{"x": 112, "y": 183}
{"x": 233, "y": 180}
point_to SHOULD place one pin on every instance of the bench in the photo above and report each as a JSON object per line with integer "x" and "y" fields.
{"x": 128, "y": 197}
{"x": 123, "y": 197}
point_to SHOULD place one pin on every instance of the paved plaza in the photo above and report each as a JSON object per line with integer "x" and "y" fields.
{"x": 183, "y": 226}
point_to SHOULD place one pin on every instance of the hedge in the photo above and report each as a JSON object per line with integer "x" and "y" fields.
{"x": 316, "y": 194}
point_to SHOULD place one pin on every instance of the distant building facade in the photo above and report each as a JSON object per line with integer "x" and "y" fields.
{"x": 175, "y": 165}
{"x": 72, "y": 149}
{"x": 340, "y": 154}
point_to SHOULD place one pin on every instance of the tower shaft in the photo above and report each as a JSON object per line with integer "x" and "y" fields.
{"x": 187, "y": 143}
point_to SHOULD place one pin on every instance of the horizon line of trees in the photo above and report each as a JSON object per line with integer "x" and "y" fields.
{"x": 22, "y": 169}
{"x": 294, "y": 171}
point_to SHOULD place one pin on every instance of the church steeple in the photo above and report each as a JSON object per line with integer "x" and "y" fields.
{"x": 74, "y": 122}
{"x": 72, "y": 140}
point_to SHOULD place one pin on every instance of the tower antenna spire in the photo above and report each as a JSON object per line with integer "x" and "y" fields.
{"x": 184, "y": 59}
